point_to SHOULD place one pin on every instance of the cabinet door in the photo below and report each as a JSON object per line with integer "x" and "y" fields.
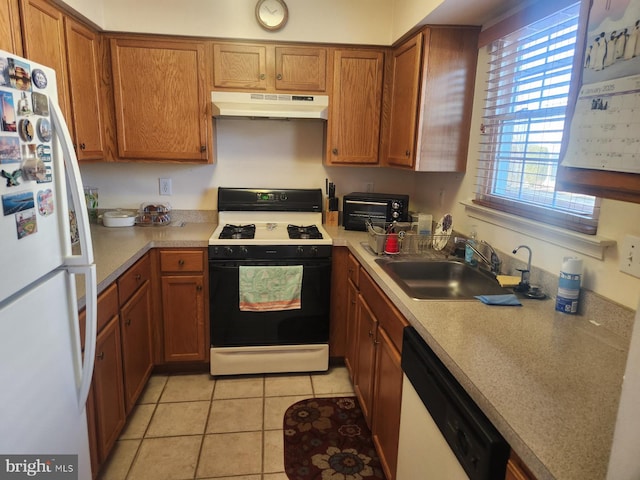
{"x": 367, "y": 332}
{"x": 387, "y": 400}
{"x": 448, "y": 71}
{"x": 108, "y": 388}
{"x": 136, "y": 344}
{"x": 44, "y": 42}
{"x": 404, "y": 91}
{"x": 354, "y": 118}
{"x": 83, "y": 58}
{"x": 10, "y": 35}
{"x": 301, "y": 69}
{"x": 183, "y": 318}
{"x": 160, "y": 100}
{"x": 351, "y": 354}
{"x": 239, "y": 66}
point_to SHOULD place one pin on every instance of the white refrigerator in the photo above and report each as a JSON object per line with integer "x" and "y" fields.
{"x": 44, "y": 374}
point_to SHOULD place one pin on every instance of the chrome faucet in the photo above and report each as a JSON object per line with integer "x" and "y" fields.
{"x": 525, "y": 275}
{"x": 493, "y": 262}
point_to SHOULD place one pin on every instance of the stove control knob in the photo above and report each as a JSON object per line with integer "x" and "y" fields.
{"x": 300, "y": 251}
{"x": 244, "y": 251}
{"x": 228, "y": 251}
{"x": 314, "y": 251}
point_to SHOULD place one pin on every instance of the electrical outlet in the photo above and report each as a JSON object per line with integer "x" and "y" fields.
{"x": 630, "y": 255}
{"x": 165, "y": 186}
{"x": 368, "y": 187}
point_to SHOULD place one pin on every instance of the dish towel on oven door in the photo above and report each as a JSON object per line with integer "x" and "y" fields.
{"x": 270, "y": 288}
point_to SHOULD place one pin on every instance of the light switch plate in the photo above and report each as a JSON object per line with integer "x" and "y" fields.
{"x": 630, "y": 255}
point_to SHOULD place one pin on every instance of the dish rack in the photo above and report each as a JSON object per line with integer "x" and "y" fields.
{"x": 382, "y": 241}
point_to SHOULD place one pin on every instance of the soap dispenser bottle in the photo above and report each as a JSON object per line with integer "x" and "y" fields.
{"x": 468, "y": 251}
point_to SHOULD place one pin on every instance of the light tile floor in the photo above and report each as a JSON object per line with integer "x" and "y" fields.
{"x": 227, "y": 428}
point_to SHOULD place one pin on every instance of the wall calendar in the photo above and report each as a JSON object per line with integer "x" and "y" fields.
{"x": 605, "y": 127}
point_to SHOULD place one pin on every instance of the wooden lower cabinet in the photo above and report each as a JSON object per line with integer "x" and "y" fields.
{"x": 110, "y": 414}
{"x": 366, "y": 338}
{"x": 137, "y": 357}
{"x": 374, "y": 343}
{"x": 387, "y": 398}
{"x": 516, "y": 470}
{"x": 184, "y": 318}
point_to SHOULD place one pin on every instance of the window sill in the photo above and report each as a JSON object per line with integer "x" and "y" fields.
{"x": 591, "y": 245}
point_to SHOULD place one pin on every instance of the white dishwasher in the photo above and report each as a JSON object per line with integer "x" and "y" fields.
{"x": 443, "y": 433}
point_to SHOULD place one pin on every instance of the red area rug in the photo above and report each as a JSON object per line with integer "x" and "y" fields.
{"x": 328, "y": 439}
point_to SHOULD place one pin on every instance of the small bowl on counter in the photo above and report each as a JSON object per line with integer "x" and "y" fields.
{"x": 119, "y": 218}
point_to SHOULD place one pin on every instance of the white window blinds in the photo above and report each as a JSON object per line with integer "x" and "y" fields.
{"x": 527, "y": 91}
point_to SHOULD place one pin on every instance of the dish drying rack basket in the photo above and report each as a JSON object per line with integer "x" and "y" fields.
{"x": 408, "y": 239}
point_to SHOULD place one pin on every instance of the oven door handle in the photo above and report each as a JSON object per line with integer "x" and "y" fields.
{"x": 366, "y": 202}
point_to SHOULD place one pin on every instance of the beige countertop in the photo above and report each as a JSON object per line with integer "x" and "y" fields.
{"x": 549, "y": 382}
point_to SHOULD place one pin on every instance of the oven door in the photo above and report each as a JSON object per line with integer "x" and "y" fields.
{"x": 231, "y": 327}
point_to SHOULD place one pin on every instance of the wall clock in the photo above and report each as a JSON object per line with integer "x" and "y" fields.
{"x": 272, "y": 15}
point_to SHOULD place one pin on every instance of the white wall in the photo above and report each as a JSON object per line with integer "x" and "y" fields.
{"x": 616, "y": 219}
{"x": 250, "y": 153}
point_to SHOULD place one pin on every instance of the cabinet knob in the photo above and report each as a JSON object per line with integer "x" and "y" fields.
{"x": 82, "y": 146}
{"x": 199, "y": 288}
{"x": 279, "y": 76}
{"x": 138, "y": 277}
{"x": 100, "y": 356}
{"x": 203, "y": 148}
{"x": 370, "y": 334}
{"x": 262, "y": 76}
{"x": 407, "y": 153}
{"x": 181, "y": 262}
{"x": 334, "y": 151}
{"x": 127, "y": 322}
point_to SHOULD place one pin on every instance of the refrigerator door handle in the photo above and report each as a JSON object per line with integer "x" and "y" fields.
{"x": 91, "y": 309}
{"x": 75, "y": 187}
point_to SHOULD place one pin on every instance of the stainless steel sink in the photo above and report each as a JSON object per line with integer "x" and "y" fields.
{"x": 425, "y": 279}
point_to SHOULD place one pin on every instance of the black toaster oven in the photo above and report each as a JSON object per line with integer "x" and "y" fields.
{"x": 358, "y": 207}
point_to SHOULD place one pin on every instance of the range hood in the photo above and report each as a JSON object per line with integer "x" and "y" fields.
{"x": 269, "y": 105}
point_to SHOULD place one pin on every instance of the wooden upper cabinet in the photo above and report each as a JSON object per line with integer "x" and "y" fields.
{"x": 403, "y": 103}
{"x": 450, "y": 57}
{"x": 44, "y": 42}
{"x": 301, "y": 69}
{"x": 84, "y": 78}
{"x": 10, "y": 35}
{"x": 430, "y": 100}
{"x": 239, "y": 66}
{"x": 354, "y": 117}
{"x": 161, "y": 100}
{"x": 269, "y": 68}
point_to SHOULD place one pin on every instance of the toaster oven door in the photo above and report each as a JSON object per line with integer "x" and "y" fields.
{"x": 356, "y": 212}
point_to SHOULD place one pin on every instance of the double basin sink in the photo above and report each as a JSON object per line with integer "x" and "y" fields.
{"x": 425, "y": 279}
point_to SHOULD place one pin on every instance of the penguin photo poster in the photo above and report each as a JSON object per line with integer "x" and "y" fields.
{"x": 604, "y": 127}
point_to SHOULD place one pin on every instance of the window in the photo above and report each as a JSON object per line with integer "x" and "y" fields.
{"x": 527, "y": 92}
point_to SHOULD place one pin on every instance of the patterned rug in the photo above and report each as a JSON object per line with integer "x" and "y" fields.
{"x": 328, "y": 439}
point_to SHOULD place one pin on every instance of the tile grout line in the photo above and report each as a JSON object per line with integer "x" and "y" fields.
{"x": 204, "y": 430}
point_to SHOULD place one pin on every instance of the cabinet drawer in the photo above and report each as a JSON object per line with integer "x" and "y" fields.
{"x": 133, "y": 279}
{"x": 107, "y": 309}
{"x": 353, "y": 270}
{"x": 388, "y": 316}
{"x": 181, "y": 261}
{"x": 107, "y": 305}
